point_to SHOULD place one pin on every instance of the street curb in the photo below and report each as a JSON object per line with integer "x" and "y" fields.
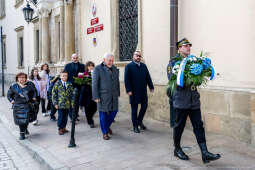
{"x": 38, "y": 153}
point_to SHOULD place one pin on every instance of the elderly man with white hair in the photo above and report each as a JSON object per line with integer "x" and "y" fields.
{"x": 106, "y": 91}
{"x": 73, "y": 69}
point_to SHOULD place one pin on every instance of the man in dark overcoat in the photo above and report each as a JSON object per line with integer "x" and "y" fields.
{"x": 73, "y": 69}
{"x": 137, "y": 78}
{"x": 106, "y": 92}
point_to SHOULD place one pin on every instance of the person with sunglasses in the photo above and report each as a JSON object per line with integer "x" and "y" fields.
{"x": 137, "y": 78}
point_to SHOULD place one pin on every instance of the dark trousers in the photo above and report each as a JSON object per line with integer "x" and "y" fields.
{"x": 37, "y": 106}
{"x": 197, "y": 123}
{"x": 53, "y": 110}
{"x": 23, "y": 128}
{"x": 49, "y": 105}
{"x": 172, "y": 113}
{"x": 43, "y": 105}
{"x": 62, "y": 118}
{"x": 106, "y": 119}
{"x": 90, "y": 111}
{"x": 137, "y": 120}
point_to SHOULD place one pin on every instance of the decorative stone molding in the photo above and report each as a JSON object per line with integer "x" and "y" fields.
{"x": 20, "y": 34}
{"x": 69, "y": 2}
{"x": 2, "y": 9}
{"x": 35, "y": 20}
{"x": 44, "y": 8}
{"x": 115, "y": 28}
{"x": 58, "y": 4}
{"x": 140, "y": 28}
{"x": 121, "y": 63}
{"x": 18, "y": 3}
{"x": 20, "y": 28}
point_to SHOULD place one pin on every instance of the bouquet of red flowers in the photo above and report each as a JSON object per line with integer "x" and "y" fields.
{"x": 83, "y": 78}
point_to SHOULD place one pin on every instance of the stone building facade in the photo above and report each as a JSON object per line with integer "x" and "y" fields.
{"x": 91, "y": 28}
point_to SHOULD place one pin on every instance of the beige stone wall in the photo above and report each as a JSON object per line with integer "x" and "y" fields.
{"x": 225, "y": 29}
{"x": 252, "y": 104}
{"x": 156, "y": 38}
{"x": 88, "y": 50}
{"x": 228, "y": 112}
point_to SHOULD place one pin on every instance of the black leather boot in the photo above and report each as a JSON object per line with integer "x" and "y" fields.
{"x": 207, "y": 156}
{"x": 27, "y": 132}
{"x": 136, "y": 130}
{"x": 22, "y": 136}
{"x": 178, "y": 152}
{"x": 142, "y": 126}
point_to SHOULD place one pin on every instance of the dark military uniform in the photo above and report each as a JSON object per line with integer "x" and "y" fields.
{"x": 186, "y": 102}
{"x": 169, "y": 73}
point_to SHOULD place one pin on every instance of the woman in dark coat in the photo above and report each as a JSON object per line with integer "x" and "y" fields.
{"x": 86, "y": 96}
{"x": 22, "y": 95}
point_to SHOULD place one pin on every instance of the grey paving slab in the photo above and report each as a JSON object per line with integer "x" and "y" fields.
{"x": 14, "y": 156}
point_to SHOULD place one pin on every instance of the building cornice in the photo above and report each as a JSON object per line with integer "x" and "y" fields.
{"x": 20, "y": 28}
{"x": 18, "y": 3}
{"x": 35, "y": 20}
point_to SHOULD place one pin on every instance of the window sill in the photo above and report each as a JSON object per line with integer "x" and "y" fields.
{"x": 3, "y": 16}
{"x": 121, "y": 63}
{"x": 20, "y": 67}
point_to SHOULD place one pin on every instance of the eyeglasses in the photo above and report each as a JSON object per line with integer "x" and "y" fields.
{"x": 137, "y": 55}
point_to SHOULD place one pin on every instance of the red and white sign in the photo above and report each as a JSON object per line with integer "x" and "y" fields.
{"x": 90, "y": 30}
{"x": 94, "y": 21}
{"x": 99, "y": 27}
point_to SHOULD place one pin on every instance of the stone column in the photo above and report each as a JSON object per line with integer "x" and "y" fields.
{"x": 40, "y": 39}
{"x": 62, "y": 34}
{"x": 45, "y": 37}
{"x": 69, "y": 30}
{"x": 115, "y": 28}
{"x": 56, "y": 45}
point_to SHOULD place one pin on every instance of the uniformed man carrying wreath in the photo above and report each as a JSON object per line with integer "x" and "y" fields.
{"x": 186, "y": 102}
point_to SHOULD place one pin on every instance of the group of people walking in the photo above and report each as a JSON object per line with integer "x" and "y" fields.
{"x": 103, "y": 94}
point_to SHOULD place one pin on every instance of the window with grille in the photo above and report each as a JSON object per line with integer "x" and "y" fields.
{"x": 21, "y": 52}
{"x": 128, "y": 28}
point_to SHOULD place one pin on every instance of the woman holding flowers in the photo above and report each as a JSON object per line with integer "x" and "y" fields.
{"x": 187, "y": 73}
{"x": 85, "y": 99}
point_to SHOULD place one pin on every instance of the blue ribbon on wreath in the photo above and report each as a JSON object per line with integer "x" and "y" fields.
{"x": 181, "y": 72}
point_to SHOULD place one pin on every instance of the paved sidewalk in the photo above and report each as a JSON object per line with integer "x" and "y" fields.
{"x": 12, "y": 155}
{"x": 149, "y": 150}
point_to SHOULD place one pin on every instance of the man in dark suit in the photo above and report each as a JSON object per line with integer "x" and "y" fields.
{"x": 137, "y": 78}
{"x": 73, "y": 69}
